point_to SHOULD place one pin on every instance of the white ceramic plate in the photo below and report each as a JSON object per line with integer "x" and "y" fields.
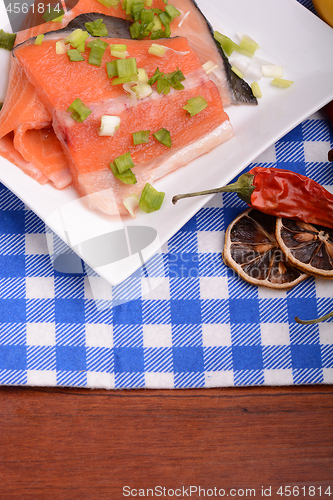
{"x": 288, "y": 34}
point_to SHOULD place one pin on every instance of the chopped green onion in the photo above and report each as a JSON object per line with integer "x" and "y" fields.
{"x": 147, "y": 16}
{"x": 142, "y": 90}
{"x": 97, "y": 28}
{"x": 175, "y": 78}
{"x": 7, "y": 40}
{"x": 39, "y": 39}
{"x": 157, "y": 23}
{"x": 75, "y": 55}
{"x": 142, "y": 75}
{"x": 127, "y": 177}
{"x": 54, "y": 14}
{"x": 111, "y": 68}
{"x": 172, "y": 11}
{"x": 140, "y": 30}
{"x": 157, "y": 50}
{"x": 280, "y": 82}
{"x": 155, "y": 77}
{"x": 157, "y": 35}
{"x": 126, "y": 67}
{"x": 79, "y": 111}
{"x": 119, "y": 47}
{"x": 163, "y": 86}
{"x": 163, "y": 136}
{"x": 226, "y": 43}
{"x": 109, "y": 125}
{"x": 124, "y": 79}
{"x": 109, "y": 3}
{"x": 195, "y": 105}
{"x": 135, "y": 30}
{"x": 150, "y": 199}
{"x": 128, "y": 7}
{"x": 77, "y": 38}
{"x": 237, "y": 72}
{"x": 61, "y": 47}
{"x": 131, "y": 202}
{"x": 97, "y": 49}
{"x": 136, "y": 9}
{"x": 81, "y": 47}
{"x": 119, "y": 54}
{"x": 124, "y": 162}
{"x": 58, "y": 19}
{"x": 141, "y": 137}
{"x": 256, "y": 89}
{"x": 121, "y": 168}
{"x": 165, "y": 81}
{"x": 165, "y": 18}
{"x": 247, "y": 46}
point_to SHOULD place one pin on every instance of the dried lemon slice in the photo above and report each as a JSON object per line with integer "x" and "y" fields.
{"x": 251, "y": 249}
{"x": 307, "y": 246}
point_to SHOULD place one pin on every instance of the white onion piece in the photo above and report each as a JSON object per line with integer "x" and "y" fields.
{"x": 209, "y": 66}
{"x": 253, "y": 73}
{"x": 142, "y": 90}
{"x": 258, "y": 62}
{"x": 142, "y": 75}
{"x": 240, "y": 64}
{"x": 61, "y": 47}
{"x": 272, "y": 71}
{"x": 128, "y": 88}
{"x": 109, "y": 125}
{"x": 131, "y": 203}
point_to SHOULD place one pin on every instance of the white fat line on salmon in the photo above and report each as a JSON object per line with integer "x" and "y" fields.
{"x": 115, "y": 106}
{"x": 183, "y": 19}
{"x": 104, "y": 193}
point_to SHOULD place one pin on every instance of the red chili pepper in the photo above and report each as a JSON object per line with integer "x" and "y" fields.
{"x": 281, "y": 193}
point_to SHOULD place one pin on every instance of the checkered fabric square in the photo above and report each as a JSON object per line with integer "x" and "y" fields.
{"x": 184, "y": 320}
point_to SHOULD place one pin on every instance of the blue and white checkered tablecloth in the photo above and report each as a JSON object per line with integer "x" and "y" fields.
{"x": 201, "y": 326}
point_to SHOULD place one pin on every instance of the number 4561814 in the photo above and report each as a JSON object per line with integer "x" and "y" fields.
{"x": 304, "y": 491}
{"x": 24, "y": 8}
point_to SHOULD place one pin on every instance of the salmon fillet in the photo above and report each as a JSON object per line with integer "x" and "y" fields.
{"x": 59, "y": 82}
{"x": 26, "y": 134}
{"x": 27, "y": 137}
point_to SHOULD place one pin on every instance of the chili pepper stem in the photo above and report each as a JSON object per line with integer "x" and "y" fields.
{"x": 312, "y": 321}
{"x": 243, "y": 187}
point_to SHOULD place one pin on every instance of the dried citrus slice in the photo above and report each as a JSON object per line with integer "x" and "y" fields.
{"x": 251, "y": 249}
{"x": 307, "y": 246}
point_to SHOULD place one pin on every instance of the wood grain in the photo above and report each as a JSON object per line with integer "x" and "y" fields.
{"x": 71, "y": 444}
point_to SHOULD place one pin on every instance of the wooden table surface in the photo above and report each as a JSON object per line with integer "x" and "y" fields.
{"x": 71, "y": 444}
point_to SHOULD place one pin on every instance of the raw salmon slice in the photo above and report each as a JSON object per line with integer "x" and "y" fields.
{"x": 59, "y": 82}
{"x": 29, "y": 144}
{"x": 24, "y": 126}
{"x": 192, "y": 24}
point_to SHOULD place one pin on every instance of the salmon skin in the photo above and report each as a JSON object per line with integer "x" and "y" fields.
{"x": 59, "y": 82}
{"x": 241, "y": 92}
{"x": 117, "y": 27}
